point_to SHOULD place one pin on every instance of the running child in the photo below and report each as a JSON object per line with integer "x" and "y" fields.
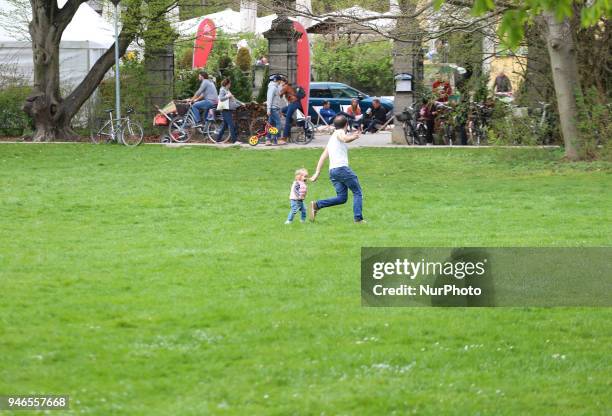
{"x": 297, "y": 196}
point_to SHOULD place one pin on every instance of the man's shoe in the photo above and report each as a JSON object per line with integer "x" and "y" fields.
{"x": 287, "y": 222}
{"x": 312, "y": 210}
{"x": 361, "y": 222}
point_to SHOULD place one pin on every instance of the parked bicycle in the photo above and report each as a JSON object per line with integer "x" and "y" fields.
{"x": 542, "y": 126}
{"x": 183, "y": 126}
{"x": 445, "y": 121}
{"x": 415, "y": 130}
{"x": 477, "y": 122}
{"x": 260, "y": 128}
{"x": 121, "y": 130}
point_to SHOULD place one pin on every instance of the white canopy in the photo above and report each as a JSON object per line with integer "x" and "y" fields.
{"x": 85, "y": 39}
{"x": 226, "y": 20}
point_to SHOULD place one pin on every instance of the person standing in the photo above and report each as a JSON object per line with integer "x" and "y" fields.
{"x": 273, "y": 105}
{"x": 293, "y": 104}
{"x": 228, "y": 104}
{"x": 204, "y": 99}
{"x": 502, "y": 83}
{"x": 340, "y": 174}
{"x": 427, "y": 113}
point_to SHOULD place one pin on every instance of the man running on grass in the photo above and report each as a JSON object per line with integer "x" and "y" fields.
{"x": 341, "y": 176}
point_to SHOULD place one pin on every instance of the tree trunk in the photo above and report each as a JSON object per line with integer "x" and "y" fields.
{"x": 563, "y": 62}
{"x": 52, "y": 114}
{"x": 44, "y": 103}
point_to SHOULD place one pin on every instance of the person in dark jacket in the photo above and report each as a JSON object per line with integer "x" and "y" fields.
{"x": 427, "y": 113}
{"x": 293, "y": 104}
{"x": 375, "y": 116}
{"x": 327, "y": 113}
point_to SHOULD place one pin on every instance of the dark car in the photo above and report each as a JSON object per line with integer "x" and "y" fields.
{"x": 339, "y": 94}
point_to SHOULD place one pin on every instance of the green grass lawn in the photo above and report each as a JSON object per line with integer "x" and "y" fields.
{"x": 159, "y": 281}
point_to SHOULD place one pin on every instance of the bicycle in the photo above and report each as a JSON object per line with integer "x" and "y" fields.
{"x": 181, "y": 127}
{"x": 543, "y": 127}
{"x": 476, "y": 126}
{"x": 262, "y": 128}
{"x": 445, "y": 124}
{"x": 415, "y": 130}
{"x": 114, "y": 130}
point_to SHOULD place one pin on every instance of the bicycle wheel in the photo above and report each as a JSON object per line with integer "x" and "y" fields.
{"x": 212, "y": 128}
{"x": 309, "y": 131}
{"x": 421, "y": 135}
{"x": 180, "y": 129}
{"x": 448, "y": 134}
{"x": 480, "y": 134}
{"x": 101, "y": 133}
{"x": 131, "y": 134}
{"x": 254, "y": 140}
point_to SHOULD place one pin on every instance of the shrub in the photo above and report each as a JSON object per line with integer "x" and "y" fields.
{"x": 243, "y": 60}
{"x": 594, "y": 124}
{"x": 186, "y": 83}
{"x": 365, "y": 66}
{"x": 262, "y": 96}
{"x": 13, "y": 120}
{"x": 133, "y": 93}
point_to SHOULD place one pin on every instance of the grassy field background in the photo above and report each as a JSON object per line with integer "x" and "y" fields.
{"x": 159, "y": 281}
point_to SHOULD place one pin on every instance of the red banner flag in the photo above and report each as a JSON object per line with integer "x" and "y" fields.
{"x": 303, "y": 63}
{"x": 205, "y": 38}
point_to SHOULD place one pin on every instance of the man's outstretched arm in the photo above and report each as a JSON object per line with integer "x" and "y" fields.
{"x": 322, "y": 159}
{"x": 349, "y": 137}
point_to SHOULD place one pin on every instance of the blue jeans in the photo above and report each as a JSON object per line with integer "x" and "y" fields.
{"x": 228, "y": 121}
{"x": 275, "y": 120}
{"x": 343, "y": 179}
{"x": 288, "y": 112}
{"x": 297, "y": 205}
{"x": 202, "y": 105}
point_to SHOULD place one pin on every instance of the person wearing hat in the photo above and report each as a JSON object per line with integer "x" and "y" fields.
{"x": 273, "y": 107}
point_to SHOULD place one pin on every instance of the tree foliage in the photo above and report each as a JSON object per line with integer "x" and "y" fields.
{"x": 365, "y": 66}
{"x": 520, "y": 13}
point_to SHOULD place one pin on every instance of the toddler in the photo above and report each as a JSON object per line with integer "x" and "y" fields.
{"x": 297, "y": 195}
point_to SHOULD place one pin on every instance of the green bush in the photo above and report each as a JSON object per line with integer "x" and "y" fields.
{"x": 133, "y": 93}
{"x": 243, "y": 60}
{"x": 13, "y": 120}
{"x": 263, "y": 91}
{"x": 186, "y": 83}
{"x": 594, "y": 124}
{"x": 506, "y": 128}
{"x": 365, "y": 66}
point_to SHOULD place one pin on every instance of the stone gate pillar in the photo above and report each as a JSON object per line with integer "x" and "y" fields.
{"x": 407, "y": 58}
{"x": 282, "y": 43}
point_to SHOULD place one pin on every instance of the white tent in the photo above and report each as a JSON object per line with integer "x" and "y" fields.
{"x": 85, "y": 39}
{"x": 228, "y": 20}
{"x": 373, "y": 22}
